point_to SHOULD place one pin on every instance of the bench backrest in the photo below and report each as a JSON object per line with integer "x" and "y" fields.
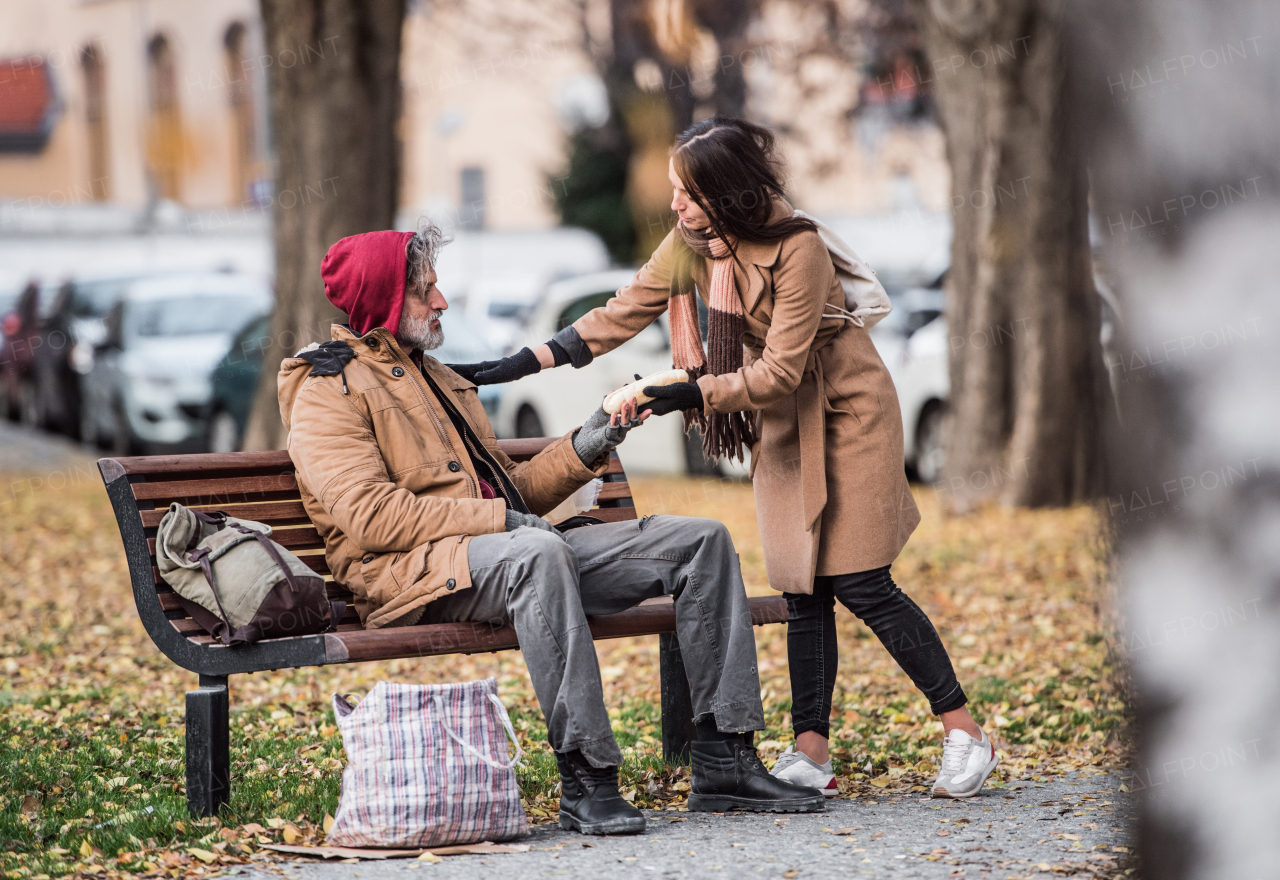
{"x": 257, "y": 486}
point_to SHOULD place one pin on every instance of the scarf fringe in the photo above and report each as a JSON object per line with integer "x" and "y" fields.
{"x": 724, "y": 435}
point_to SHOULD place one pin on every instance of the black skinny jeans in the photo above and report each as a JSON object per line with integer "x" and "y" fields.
{"x": 898, "y": 622}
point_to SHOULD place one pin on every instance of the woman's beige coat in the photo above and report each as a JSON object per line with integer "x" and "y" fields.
{"x": 831, "y": 494}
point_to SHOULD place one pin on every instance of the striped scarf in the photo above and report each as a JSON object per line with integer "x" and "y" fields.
{"x": 724, "y": 435}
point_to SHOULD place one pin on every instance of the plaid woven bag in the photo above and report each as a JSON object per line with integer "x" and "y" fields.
{"x": 427, "y": 766}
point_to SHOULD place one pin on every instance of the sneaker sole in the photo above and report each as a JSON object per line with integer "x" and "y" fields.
{"x": 704, "y": 803}
{"x": 613, "y": 826}
{"x": 940, "y": 792}
{"x": 830, "y": 790}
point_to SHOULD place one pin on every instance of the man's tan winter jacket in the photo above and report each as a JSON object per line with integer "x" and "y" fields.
{"x": 388, "y": 482}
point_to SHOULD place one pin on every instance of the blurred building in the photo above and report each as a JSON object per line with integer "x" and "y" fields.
{"x": 134, "y": 102}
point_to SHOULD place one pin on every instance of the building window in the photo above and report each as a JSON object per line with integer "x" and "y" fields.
{"x": 28, "y": 105}
{"x": 164, "y": 136}
{"x": 244, "y": 166}
{"x": 471, "y": 213}
{"x": 95, "y": 117}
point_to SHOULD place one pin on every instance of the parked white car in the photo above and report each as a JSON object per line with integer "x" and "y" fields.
{"x": 494, "y": 278}
{"x": 149, "y": 383}
{"x": 553, "y": 402}
{"x": 919, "y": 368}
{"x": 912, "y": 341}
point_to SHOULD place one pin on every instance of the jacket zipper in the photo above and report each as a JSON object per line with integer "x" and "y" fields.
{"x": 475, "y": 488}
{"x": 481, "y": 454}
{"x": 499, "y": 487}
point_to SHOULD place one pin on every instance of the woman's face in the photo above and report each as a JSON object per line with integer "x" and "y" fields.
{"x": 689, "y": 213}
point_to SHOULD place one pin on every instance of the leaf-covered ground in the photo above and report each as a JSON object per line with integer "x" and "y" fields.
{"x": 91, "y": 719}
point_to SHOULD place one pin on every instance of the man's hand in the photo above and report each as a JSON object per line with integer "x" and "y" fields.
{"x": 674, "y": 397}
{"x": 602, "y": 433}
{"x": 508, "y": 369}
{"x": 518, "y": 520}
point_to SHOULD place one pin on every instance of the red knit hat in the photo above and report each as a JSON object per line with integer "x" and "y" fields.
{"x": 364, "y": 275}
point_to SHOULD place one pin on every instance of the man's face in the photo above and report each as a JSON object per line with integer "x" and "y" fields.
{"x": 420, "y": 317}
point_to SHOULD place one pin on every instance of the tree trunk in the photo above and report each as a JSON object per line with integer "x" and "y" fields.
{"x": 1181, "y": 96}
{"x": 1027, "y": 376}
{"x": 335, "y": 101}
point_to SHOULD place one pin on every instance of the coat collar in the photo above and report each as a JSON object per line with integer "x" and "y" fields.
{"x": 378, "y": 344}
{"x": 763, "y": 255}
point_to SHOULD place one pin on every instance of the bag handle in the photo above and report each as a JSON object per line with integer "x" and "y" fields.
{"x": 472, "y": 750}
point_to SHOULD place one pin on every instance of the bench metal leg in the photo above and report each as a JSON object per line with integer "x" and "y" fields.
{"x": 677, "y": 704}
{"x": 208, "y": 746}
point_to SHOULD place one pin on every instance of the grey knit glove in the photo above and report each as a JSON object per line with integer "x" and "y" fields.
{"x": 516, "y": 519}
{"x": 597, "y": 437}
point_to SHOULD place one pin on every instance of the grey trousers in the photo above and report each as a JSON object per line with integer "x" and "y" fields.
{"x": 546, "y": 586}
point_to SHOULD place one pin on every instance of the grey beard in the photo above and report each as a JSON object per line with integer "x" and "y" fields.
{"x": 418, "y": 333}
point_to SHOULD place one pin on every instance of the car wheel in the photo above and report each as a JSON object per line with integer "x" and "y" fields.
{"x": 528, "y": 424}
{"x": 29, "y": 409}
{"x": 931, "y": 447}
{"x": 224, "y": 433}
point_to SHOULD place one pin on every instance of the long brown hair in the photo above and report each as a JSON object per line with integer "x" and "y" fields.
{"x": 731, "y": 170}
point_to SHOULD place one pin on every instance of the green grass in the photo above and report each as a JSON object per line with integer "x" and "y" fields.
{"x": 117, "y": 783}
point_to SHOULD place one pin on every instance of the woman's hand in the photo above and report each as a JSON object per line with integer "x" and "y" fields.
{"x": 508, "y": 369}
{"x": 674, "y": 397}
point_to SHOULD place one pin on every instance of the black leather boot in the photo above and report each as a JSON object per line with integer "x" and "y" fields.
{"x": 729, "y": 776}
{"x": 589, "y": 799}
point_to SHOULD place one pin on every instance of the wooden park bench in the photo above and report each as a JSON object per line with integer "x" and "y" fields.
{"x": 261, "y": 486}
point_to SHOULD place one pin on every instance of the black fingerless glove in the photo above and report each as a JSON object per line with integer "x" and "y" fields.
{"x": 672, "y": 398}
{"x": 523, "y": 363}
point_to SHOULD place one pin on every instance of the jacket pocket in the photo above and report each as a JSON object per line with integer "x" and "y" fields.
{"x": 375, "y": 574}
{"x": 409, "y": 568}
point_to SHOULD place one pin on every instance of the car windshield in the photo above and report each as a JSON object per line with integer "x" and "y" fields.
{"x": 94, "y": 299}
{"x": 193, "y": 315}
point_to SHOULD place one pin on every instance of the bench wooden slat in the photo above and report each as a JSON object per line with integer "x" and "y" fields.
{"x": 208, "y": 462}
{"x": 612, "y": 491}
{"x": 216, "y": 489}
{"x": 303, "y": 538}
{"x": 472, "y": 638}
{"x": 648, "y": 618}
{"x": 196, "y": 633}
{"x": 169, "y": 602}
{"x": 273, "y": 513}
{"x": 239, "y": 463}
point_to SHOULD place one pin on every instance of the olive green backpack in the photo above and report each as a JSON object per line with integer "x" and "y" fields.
{"x": 236, "y": 582}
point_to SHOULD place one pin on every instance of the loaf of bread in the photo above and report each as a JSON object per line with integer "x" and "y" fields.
{"x": 613, "y": 403}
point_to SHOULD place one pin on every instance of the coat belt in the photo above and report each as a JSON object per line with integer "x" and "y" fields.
{"x": 811, "y": 422}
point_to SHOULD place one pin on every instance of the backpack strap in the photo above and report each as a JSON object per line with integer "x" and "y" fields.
{"x": 270, "y": 547}
{"x": 226, "y": 636}
{"x": 337, "y": 608}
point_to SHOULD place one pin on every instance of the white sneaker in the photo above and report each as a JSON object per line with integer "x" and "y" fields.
{"x": 966, "y": 764}
{"x": 799, "y": 768}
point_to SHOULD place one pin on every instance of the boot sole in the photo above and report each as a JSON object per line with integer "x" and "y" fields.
{"x": 707, "y": 803}
{"x": 614, "y": 826}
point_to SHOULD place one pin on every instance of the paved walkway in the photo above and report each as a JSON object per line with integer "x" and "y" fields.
{"x": 1024, "y": 831}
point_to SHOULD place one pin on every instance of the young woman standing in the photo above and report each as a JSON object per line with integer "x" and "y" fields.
{"x": 789, "y": 376}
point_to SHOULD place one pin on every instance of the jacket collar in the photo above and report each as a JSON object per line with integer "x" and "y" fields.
{"x": 379, "y": 345}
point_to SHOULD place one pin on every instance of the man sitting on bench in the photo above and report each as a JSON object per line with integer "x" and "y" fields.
{"x": 425, "y": 520}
